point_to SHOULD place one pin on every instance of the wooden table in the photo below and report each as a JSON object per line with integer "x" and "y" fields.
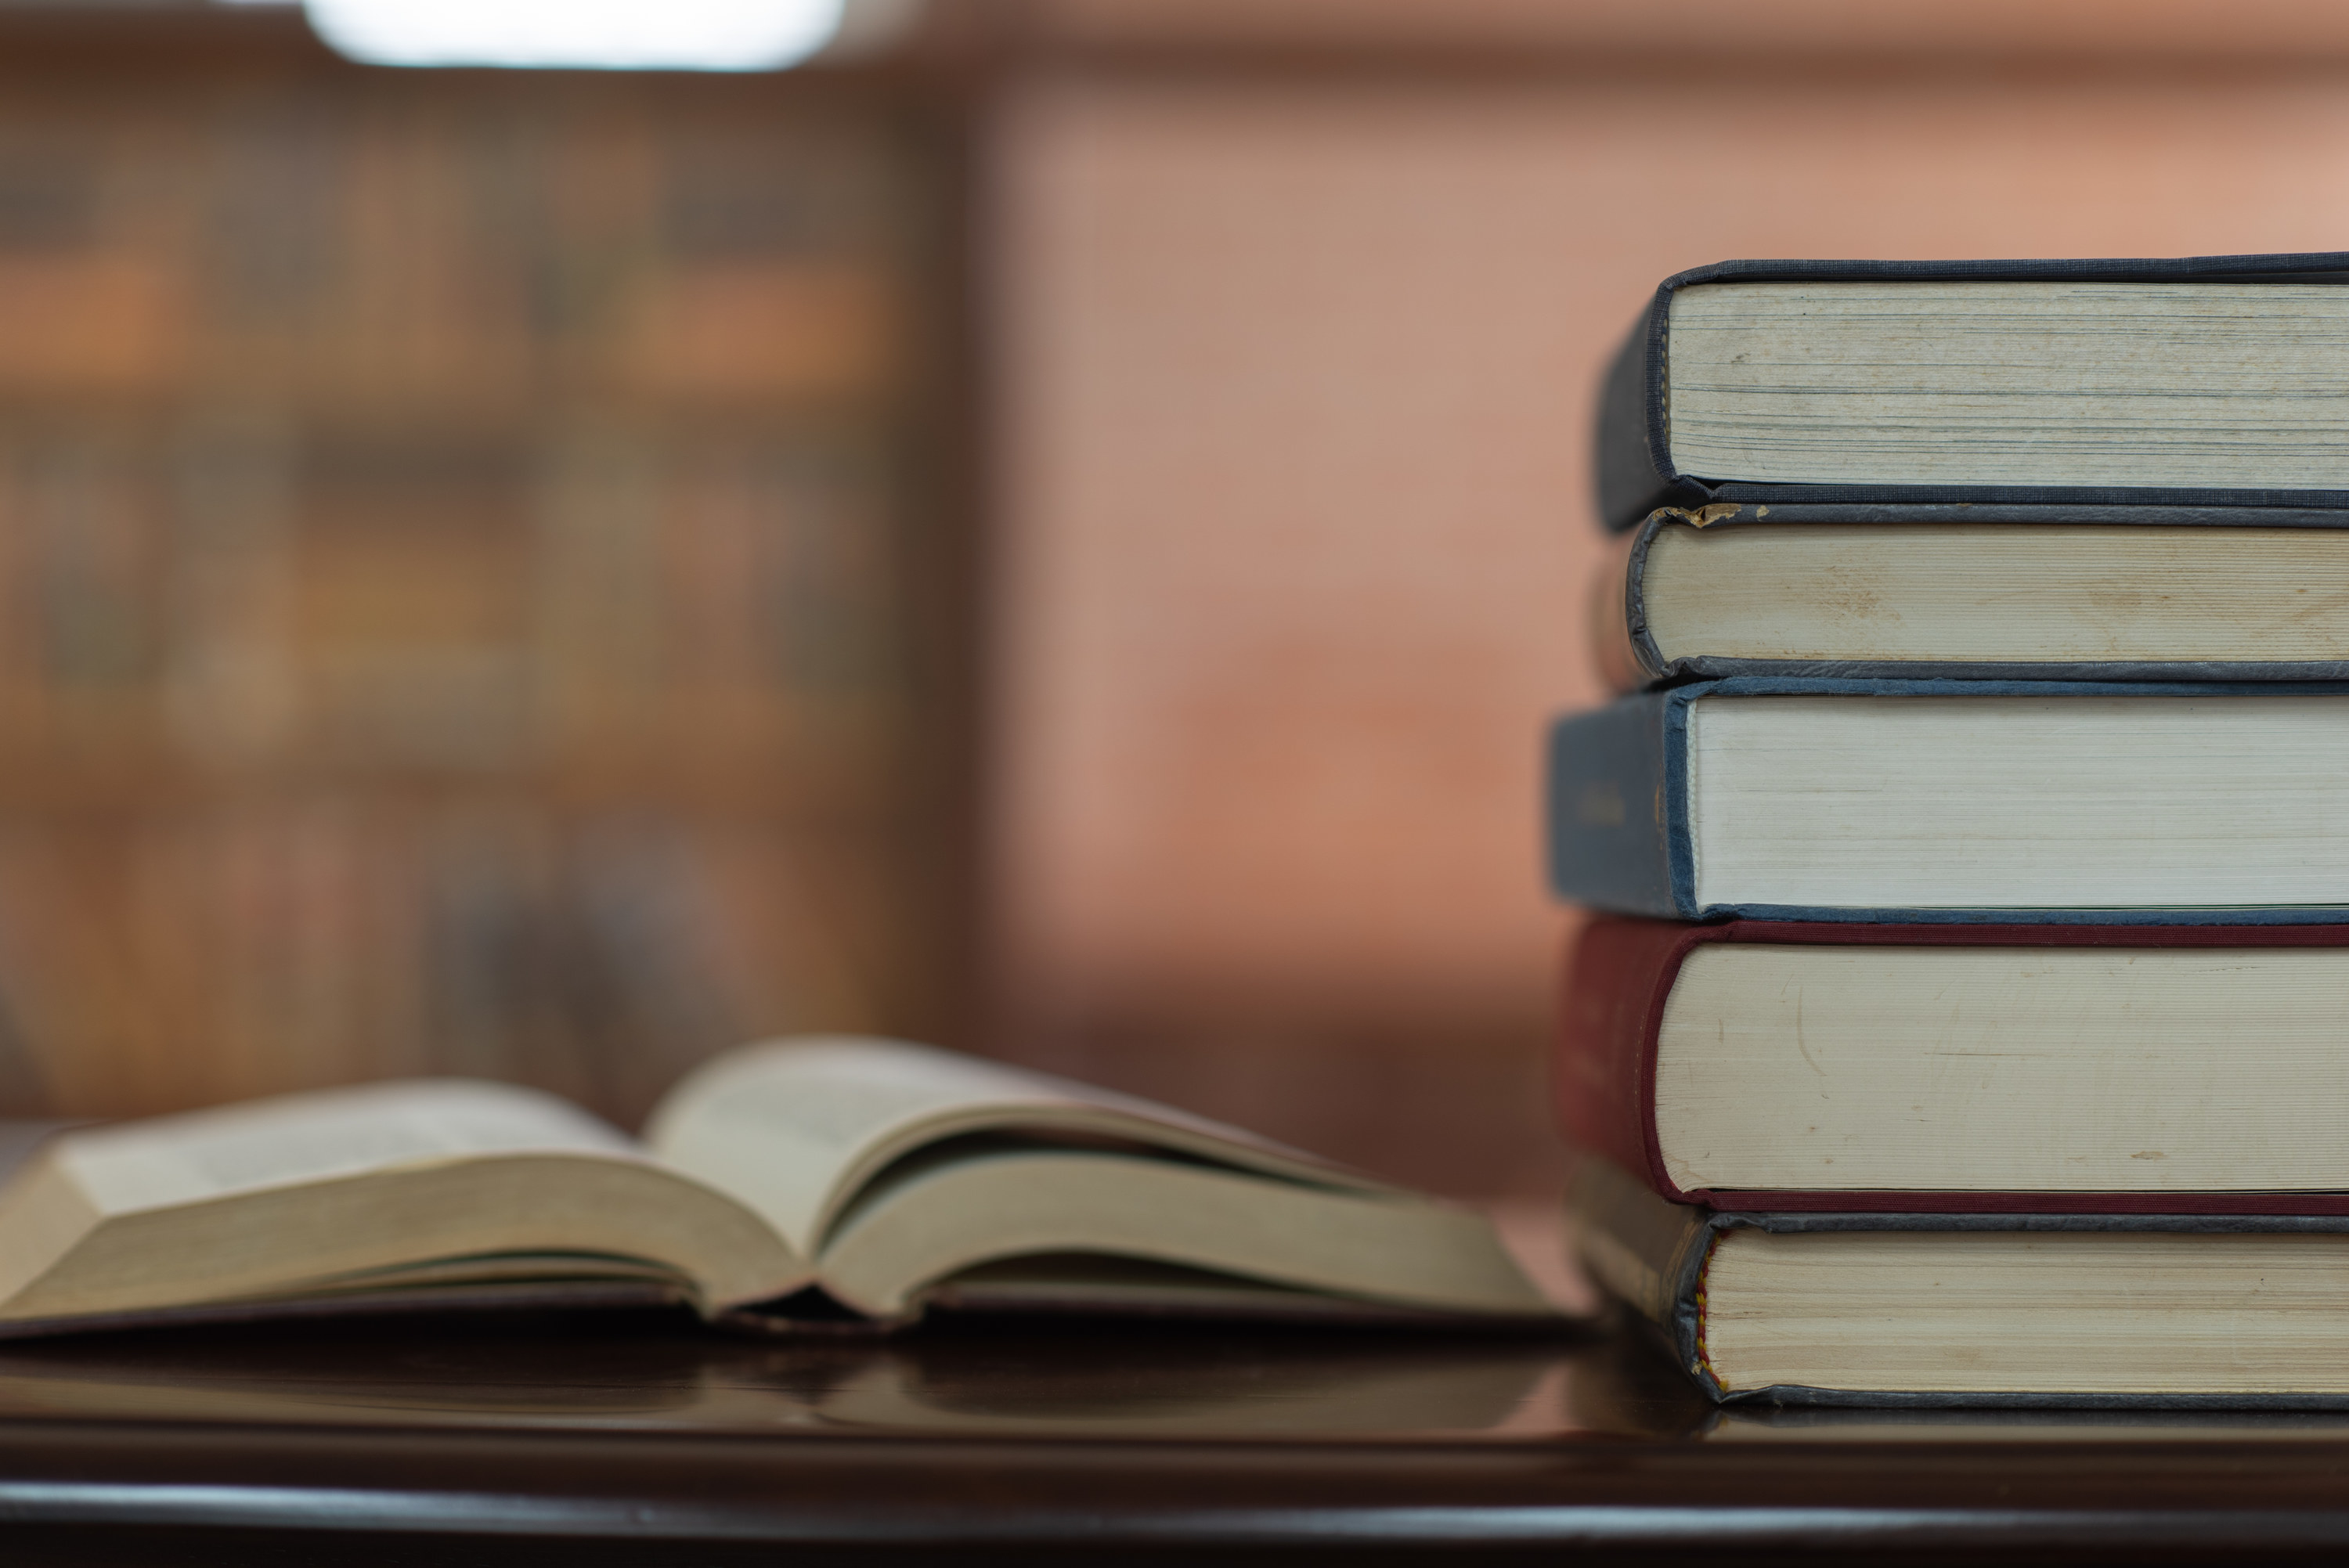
{"x": 642, "y": 1439}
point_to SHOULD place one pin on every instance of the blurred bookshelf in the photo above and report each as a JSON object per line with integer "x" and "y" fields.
{"x": 480, "y": 589}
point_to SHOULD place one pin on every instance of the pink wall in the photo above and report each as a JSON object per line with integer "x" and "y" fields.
{"x": 1297, "y": 367}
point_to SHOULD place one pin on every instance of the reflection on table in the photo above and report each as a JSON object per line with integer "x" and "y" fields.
{"x": 643, "y": 1372}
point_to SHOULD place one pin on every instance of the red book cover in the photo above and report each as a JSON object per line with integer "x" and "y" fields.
{"x": 1620, "y": 970}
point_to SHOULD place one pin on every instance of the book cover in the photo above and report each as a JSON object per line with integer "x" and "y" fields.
{"x": 1627, "y": 654}
{"x": 1653, "y": 1256}
{"x": 1636, "y": 475}
{"x": 1618, "y": 975}
{"x": 1620, "y": 838}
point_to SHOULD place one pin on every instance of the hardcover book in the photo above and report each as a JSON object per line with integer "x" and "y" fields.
{"x": 1982, "y": 802}
{"x": 828, "y": 1179}
{"x": 2035, "y": 1069}
{"x": 2196, "y": 382}
{"x": 1928, "y": 592}
{"x": 1978, "y": 1309}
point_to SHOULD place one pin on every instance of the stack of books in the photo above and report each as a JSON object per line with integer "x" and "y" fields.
{"x": 1967, "y": 1019}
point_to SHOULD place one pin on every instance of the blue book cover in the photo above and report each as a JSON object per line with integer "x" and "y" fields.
{"x": 1623, "y": 838}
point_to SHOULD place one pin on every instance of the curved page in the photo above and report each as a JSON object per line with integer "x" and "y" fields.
{"x": 916, "y": 1230}
{"x": 796, "y": 1128}
{"x": 272, "y": 1200}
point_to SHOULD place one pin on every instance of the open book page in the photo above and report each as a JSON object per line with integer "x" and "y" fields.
{"x": 909, "y": 1231}
{"x": 796, "y": 1128}
{"x": 315, "y": 1137}
{"x": 401, "y": 1188}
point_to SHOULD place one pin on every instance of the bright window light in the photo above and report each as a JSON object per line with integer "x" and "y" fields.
{"x": 579, "y": 34}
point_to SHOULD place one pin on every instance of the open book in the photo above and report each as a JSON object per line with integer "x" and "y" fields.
{"x": 798, "y": 1180}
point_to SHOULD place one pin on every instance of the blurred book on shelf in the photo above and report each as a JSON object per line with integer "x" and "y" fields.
{"x": 469, "y": 578}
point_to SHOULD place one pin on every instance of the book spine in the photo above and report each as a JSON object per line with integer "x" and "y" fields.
{"x": 1633, "y": 472}
{"x": 1649, "y": 1254}
{"x": 1613, "y": 808}
{"x": 1617, "y": 976}
{"x": 1616, "y": 616}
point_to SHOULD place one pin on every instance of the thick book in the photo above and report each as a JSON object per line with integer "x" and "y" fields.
{"x": 1983, "y": 801}
{"x": 823, "y": 1180}
{"x": 1919, "y": 594}
{"x": 2196, "y": 382}
{"x": 1992, "y": 1309}
{"x": 2031, "y": 1068}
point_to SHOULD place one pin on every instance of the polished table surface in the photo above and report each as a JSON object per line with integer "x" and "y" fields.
{"x": 645, "y": 1439}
